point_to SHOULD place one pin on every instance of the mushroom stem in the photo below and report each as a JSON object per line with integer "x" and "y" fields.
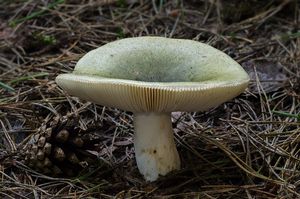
{"x": 155, "y": 149}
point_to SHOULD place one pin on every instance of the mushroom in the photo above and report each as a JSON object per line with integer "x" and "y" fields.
{"x": 152, "y": 77}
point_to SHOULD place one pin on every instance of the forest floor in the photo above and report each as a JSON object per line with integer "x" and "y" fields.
{"x": 248, "y": 147}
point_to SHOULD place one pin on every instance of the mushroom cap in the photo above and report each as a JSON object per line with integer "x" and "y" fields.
{"x": 156, "y": 74}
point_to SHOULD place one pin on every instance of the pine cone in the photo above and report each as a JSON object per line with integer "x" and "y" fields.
{"x": 59, "y": 148}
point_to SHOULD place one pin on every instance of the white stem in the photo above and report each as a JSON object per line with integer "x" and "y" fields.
{"x": 155, "y": 149}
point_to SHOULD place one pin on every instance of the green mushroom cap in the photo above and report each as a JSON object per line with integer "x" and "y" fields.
{"x": 156, "y": 74}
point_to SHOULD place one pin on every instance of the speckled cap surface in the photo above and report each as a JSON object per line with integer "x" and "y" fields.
{"x": 156, "y": 74}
